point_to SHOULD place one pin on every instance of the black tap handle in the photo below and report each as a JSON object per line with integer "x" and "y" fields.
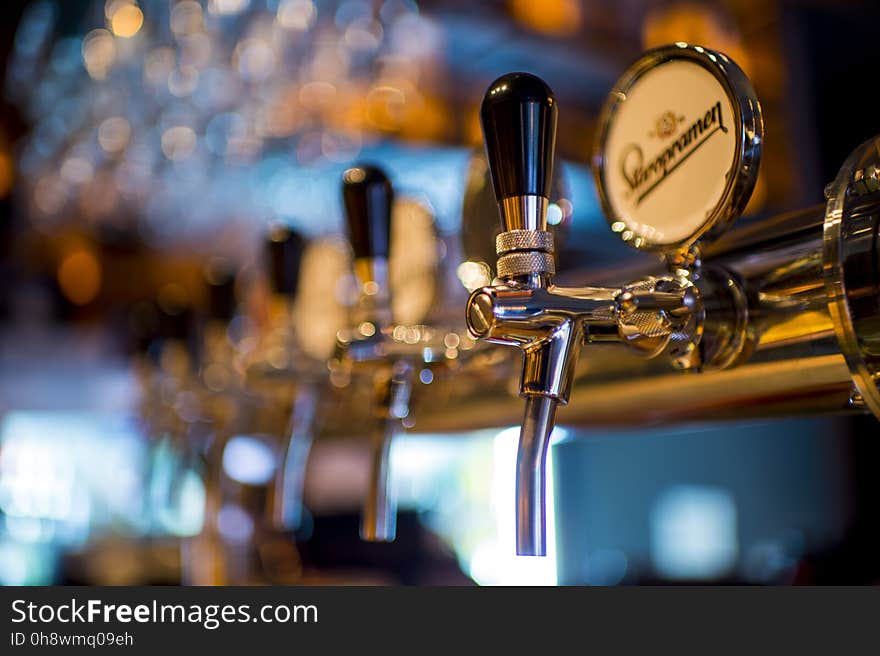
{"x": 367, "y": 195}
{"x": 284, "y": 248}
{"x": 519, "y": 127}
{"x": 222, "y": 300}
{"x": 178, "y": 322}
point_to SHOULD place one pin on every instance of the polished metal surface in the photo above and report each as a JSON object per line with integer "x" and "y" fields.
{"x": 386, "y": 363}
{"x": 768, "y": 344}
{"x": 525, "y": 247}
{"x": 287, "y": 509}
{"x": 527, "y": 212}
{"x": 479, "y": 232}
{"x": 551, "y": 324}
{"x": 776, "y": 317}
{"x": 379, "y": 514}
{"x": 768, "y": 340}
{"x": 296, "y": 388}
{"x": 516, "y": 264}
{"x": 525, "y": 253}
{"x": 531, "y": 466}
{"x": 524, "y": 240}
{"x": 851, "y": 258}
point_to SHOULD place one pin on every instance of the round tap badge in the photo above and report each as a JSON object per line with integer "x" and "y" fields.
{"x": 678, "y": 148}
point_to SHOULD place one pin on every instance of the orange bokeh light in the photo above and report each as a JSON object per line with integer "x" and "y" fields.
{"x": 79, "y": 276}
{"x": 558, "y": 17}
{"x": 7, "y": 174}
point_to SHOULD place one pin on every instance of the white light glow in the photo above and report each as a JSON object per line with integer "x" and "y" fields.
{"x": 473, "y": 275}
{"x": 494, "y": 562}
{"x": 694, "y": 532}
{"x": 235, "y": 524}
{"x": 64, "y": 473}
{"x": 248, "y": 459}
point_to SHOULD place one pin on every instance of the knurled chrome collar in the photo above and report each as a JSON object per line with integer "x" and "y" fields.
{"x": 523, "y": 252}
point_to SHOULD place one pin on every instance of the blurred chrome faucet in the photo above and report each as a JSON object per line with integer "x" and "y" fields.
{"x": 251, "y": 376}
{"x": 294, "y": 382}
{"x": 368, "y": 197}
{"x": 391, "y": 357}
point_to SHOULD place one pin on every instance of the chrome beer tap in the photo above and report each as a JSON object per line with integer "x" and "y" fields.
{"x": 368, "y": 196}
{"x": 295, "y": 380}
{"x": 251, "y": 378}
{"x": 388, "y": 356}
{"x": 550, "y": 323}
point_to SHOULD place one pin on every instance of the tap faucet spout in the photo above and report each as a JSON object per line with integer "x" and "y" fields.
{"x": 531, "y": 467}
{"x": 379, "y": 513}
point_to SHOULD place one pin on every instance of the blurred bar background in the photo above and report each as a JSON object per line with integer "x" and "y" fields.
{"x": 146, "y": 148}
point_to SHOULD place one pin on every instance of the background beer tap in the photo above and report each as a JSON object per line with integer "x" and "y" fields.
{"x": 368, "y": 196}
{"x": 389, "y": 356}
{"x": 294, "y": 379}
{"x": 251, "y": 466}
{"x": 525, "y": 308}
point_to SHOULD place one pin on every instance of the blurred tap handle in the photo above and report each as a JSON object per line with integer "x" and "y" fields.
{"x": 178, "y": 325}
{"x": 518, "y": 115}
{"x": 367, "y": 195}
{"x": 284, "y": 250}
{"x": 220, "y": 280}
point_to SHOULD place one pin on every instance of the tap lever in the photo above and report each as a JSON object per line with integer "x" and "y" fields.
{"x": 285, "y": 248}
{"x": 550, "y": 324}
{"x": 367, "y": 195}
{"x": 220, "y": 279}
{"x": 519, "y": 125}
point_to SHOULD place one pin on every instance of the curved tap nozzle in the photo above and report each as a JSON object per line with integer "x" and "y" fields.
{"x": 379, "y": 516}
{"x": 288, "y": 496}
{"x": 379, "y": 513}
{"x": 531, "y": 467}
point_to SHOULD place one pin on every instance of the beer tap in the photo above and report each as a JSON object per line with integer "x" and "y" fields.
{"x": 298, "y": 382}
{"x": 251, "y": 393}
{"x": 549, "y": 323}
{"x": 368, "y": 196}
{"x": 391, "y": 355}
